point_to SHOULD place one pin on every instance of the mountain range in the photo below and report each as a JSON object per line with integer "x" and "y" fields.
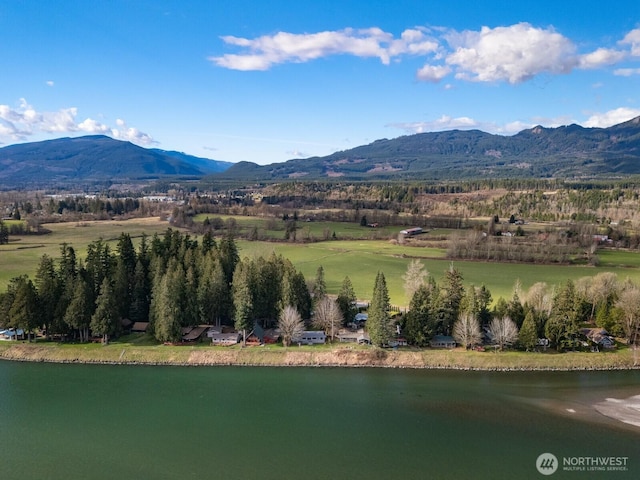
{"x": 566, "y": 152}
{"x": 94, "y": 159}
{"x": 571, "y": 152}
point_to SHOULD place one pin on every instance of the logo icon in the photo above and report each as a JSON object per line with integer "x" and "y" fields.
{"x": 547, "y": 464}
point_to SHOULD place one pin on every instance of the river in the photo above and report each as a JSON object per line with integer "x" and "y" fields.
{"x": 131, "y": 422}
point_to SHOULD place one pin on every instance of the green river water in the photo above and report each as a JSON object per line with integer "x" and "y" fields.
{"x": 130, "y": 422}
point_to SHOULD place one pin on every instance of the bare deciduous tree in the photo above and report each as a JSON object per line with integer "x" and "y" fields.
{"x": 540, "y": 297}
{"x": 414, "y": 277}
{"x": 504, "y": 331}
{"x": 466, "y": 330}
{"x": 328, "y": 316}
{"x": 603, "y": 286}
{"x": 290, "y": 325}
{"x": 629, "y": 304}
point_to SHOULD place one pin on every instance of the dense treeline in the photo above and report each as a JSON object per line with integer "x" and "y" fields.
{"x": 171, "y": 281}
{"x": 543, "y": 312}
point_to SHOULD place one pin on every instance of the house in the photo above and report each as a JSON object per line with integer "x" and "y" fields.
{"x": 360, "y": 337}
{"x": 312, "y": 337}
{"x": 225, "y": 339}
{"x": 442, "y": 341}
{"x": 599, "y": 336}
{"x": 12, "y": 334}
{"x": 272, "y": 335}
{"x": 192, "y": 334}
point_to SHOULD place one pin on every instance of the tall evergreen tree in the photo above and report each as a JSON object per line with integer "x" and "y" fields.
{"x": 243, "y": 298}
{"x": 229, "y": 256}
{"x": 24, "y": 312}
{"x": 450, "y": 300}
{"x": 420, "y": 319}
{"x": 562, "y": 327}
{"x": 105, "y": 321}
{"x": 214, "y": 297}
{"x": 528, "y": 333}
{"x": 140, "y": 295}
{"x": 4, "y": 233}
{"x": 319, "y": 285}
{"x": 378, "y": 323}
{"x": 49, "y": 290}
{"x": 78, "y": 313}
{"x": 347, "y": 301}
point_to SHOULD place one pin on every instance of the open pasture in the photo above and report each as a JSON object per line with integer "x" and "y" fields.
{"x": 274, "y": 228}
{"x": 359, "y": 259}
{"x": 22, "y": 254}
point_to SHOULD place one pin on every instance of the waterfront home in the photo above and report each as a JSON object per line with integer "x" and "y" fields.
{"x": 225, "y": 339}
{"x": 12, "y": 334}
{"x": 359, "y": 337}
{"x": 312, "y": 337}
{"x": 192, "y": 334}
{"x": 599, "y": 336}
{"x": 442, "y": 341}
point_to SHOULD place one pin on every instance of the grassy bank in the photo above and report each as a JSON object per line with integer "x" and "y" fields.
{"x": 136, "y": 352}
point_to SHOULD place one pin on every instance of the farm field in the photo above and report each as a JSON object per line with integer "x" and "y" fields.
{"x": 359, "y": 259}
{"x": 22, "y": 254}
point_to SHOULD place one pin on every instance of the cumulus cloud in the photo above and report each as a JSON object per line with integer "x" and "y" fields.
{"x": 612, "y": 117}
{"x": 601, "y": 57}
{"x": 514, "y": 53}
{"x": 21, "y": 122}
{"x": 264, "y": 52}
{"x": 633, "y": 39}
{"x": 433, "y": 73}
{"x": 50, "y": 83}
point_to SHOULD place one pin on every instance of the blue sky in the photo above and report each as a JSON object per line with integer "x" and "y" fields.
{"x": 270, "y": 81}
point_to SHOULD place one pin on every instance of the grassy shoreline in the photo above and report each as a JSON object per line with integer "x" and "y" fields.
{"x": 323, "y": 356}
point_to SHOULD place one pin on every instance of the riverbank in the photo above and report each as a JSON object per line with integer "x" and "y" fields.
{"x": 311, "y": 356}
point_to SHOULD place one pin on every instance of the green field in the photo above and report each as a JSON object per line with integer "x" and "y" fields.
{"x": 22, "y": 254}
{"x": 359, "y": 259}
{"x": 271, "y": 228}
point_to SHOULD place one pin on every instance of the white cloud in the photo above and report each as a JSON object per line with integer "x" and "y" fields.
{"x": 266, "y": 51}
{"x": 633, "y": 39}
{"x": 445, "y": 122}
{"x": 601, "y": 57}
{"x": 24, "y": 121}
{"x": 92, "y": 126}
{"x": 626, "y": 72}
{"x": 50, "y": 83}
{"x": 513, "y": 54}
{"x": 433, "y": 73}
{"x": 612, "y": 117}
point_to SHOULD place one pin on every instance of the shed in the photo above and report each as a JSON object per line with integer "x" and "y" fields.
{"x": 140, "y": 327}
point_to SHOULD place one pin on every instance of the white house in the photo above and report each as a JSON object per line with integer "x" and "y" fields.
{"x": 311, "y": 337}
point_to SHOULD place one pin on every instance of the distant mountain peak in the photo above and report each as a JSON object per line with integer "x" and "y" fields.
{"x": 94, "y": 158}
{"x": 569, "y": 151}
